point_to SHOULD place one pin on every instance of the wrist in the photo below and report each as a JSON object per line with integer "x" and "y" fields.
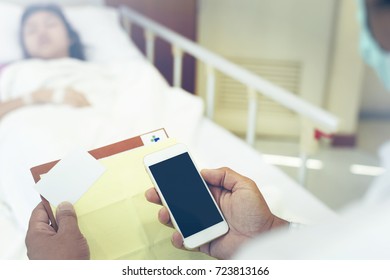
{"x": 58, "y": 96}
{"x": 27, "y": 99}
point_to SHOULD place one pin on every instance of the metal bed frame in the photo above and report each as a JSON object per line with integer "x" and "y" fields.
{"x": 312, "y": 117}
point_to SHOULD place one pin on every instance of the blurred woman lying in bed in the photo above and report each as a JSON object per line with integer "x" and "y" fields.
{"x": 46, "y": 34}
{"x": 55, "y": 101}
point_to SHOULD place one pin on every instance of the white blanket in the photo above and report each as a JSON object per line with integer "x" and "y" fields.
{"x": 127, "y": 99}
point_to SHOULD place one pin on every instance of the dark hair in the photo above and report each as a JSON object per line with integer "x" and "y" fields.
{"x": 76, "y": 49}
{"x": 382, "y": 3}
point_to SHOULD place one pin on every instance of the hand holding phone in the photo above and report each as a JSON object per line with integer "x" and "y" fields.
{"x": 193, "y": 210}
{"x": 241, "y": 203}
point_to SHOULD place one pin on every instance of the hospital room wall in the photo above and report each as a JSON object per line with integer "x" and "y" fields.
{"x": 346, "y": 72}
{"x": 178, "y": 15}
{"x": 313, "y": 35}
{"x": 375, "y": 98}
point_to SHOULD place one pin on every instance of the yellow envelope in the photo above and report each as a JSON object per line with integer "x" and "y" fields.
{"x": 115, "y": 217}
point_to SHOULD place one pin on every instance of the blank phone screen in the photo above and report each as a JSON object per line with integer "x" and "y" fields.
{"x": 186, "y": 194}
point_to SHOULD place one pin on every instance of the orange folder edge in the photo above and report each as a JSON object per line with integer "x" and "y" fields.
{"x": 98, "y": 153}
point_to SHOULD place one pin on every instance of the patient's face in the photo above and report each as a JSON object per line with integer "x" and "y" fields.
{"x": 45, "y": 36}
{"x": 379, "y": 21}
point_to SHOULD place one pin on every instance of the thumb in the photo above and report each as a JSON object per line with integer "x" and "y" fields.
{"x": 223, "y": 177}
{"x": 67, "y": 219}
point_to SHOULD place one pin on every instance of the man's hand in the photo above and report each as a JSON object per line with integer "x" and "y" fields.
{"x": 242, "y": 205}
{"x": 44, "y": 243}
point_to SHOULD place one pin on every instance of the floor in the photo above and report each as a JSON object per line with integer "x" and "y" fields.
{"x": 337, "y": 176}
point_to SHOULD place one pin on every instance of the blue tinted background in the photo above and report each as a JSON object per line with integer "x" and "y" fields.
{"x": 186, "y": 194}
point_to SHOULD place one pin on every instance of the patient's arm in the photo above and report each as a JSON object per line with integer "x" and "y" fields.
{"x": 38, "y": 96}
{"x": 9, "y": 106}
{"x": 42, "y": 96}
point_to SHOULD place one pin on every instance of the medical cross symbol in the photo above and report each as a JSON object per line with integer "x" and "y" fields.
{"x": 155, "y": 139}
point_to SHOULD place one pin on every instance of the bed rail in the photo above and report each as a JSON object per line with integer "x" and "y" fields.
{"x": 312, "y": 117}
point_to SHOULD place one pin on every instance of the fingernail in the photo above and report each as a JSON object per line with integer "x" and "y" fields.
{"x": 65, "y": 206}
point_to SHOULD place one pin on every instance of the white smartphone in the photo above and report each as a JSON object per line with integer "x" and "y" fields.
{"x": 193, "y": 210}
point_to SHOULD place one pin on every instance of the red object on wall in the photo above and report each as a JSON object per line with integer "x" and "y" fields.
{"x": 318, "y": 134}
{"x": 178, "y": 15}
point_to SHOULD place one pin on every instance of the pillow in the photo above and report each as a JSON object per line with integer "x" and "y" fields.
{"x": 98, "y": 27}
{"x": 9, "y": 27}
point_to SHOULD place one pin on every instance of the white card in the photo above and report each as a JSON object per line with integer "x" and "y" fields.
{"x": 70, "y": 178}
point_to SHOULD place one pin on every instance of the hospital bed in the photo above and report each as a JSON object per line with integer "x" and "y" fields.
{"x": 145, "y": 102}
